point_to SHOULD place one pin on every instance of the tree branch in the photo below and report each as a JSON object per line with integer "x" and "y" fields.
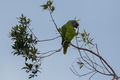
{"x": 52, "y": 52}
{"x": 94, "y": 53}
{"x": 48, "y": 39}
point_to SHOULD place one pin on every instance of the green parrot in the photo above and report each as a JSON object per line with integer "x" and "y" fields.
{"x": 68, "y": 32}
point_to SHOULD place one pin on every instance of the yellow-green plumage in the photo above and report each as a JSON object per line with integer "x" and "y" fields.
{"x": 68, "y": 33}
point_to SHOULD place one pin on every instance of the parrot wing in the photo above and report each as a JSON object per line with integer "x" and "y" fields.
{"x": 63, "y": 31}
{"x": 70, "y": 32}
{"x": 65, "y": 43}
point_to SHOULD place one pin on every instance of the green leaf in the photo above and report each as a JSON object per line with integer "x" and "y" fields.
{"x": 36, "y": 66}
{"x": 49, "y": 3}
{"x": 82, "y": 34}
{"x": 80, "y": 64}
{"x": 52, "y": 8}
{"x": 34, "y": 58}
{"x": 24, "y": 68}
{"x": 26, "y": 64}
{"x": 44, "y": 6}
{"x": 30, "y": 66}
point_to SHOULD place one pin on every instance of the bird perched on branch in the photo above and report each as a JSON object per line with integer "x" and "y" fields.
{"x": 68, "y": 32}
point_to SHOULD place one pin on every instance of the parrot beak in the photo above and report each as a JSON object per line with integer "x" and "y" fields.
{"x": 77, "y": 24}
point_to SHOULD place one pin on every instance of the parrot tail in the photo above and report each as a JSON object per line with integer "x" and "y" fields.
{"x": 65, "y": 50}
{"x": 65, "y": 45}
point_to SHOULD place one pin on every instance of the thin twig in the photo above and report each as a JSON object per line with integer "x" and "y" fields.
{"x": 74, "y": 72}
{"x": 54, "y": 21}
{"x": 101, "y": 60}
{"x": 77, "y": 74}
{"x": 32, "y": 32}
{"x": 86, "y": 74}
{"x": 82, "y": 56}
{"x": 92, "y": 75}
{"x": 53, "y": 52}
{"x": 48, "y": 39}
{"x": 89, "y": 59}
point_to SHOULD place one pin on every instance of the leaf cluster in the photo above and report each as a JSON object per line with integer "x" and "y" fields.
{"x": 24, "y": 44}
{"x": 86, "y": 38}
{"x": 32, "y": 68}
{"x": 48, "y": 5}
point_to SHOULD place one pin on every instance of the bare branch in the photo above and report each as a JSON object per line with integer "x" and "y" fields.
{"x": 101, "y": 60}
{"x": 74, "y": 71}
{"x": 77, "y": 74}
{"x": 92, "y": 75}
{"x": 53, "y": 52}
{"x": 86, "y": 74}
{"x": 54, "y": 21}
{"x": 48, "y": 39}
{"x": 94, "y": 53}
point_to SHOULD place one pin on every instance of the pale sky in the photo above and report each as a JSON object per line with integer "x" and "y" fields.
{"x": 99, "y": 17}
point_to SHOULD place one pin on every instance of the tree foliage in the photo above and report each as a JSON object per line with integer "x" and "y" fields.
{"x": 24, "y": 45}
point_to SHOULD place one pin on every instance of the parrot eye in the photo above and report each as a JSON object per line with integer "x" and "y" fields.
{"x": 75, "y": 24}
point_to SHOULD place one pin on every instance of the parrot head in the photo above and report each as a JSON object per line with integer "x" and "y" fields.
{"x": 75, "y": 24}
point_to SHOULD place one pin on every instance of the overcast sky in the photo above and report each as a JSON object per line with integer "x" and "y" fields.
{"x": 99, "y": 17}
